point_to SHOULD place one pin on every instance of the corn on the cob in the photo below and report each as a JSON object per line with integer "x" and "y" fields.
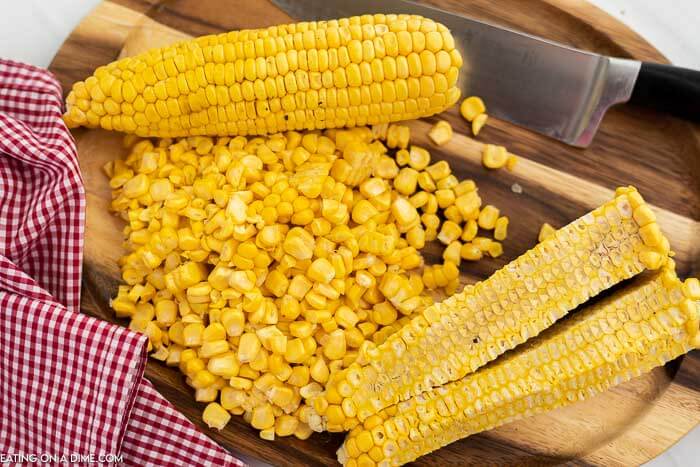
{"x": 450, "y": 339}
{"x": 328, "y": 74}
{"x": 644, "y": 325}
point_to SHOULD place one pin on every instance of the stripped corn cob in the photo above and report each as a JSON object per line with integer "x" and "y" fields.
{"x": 451, "y": 339}
{"x": 328, "y": 74}
{"x": 645, "y": 325}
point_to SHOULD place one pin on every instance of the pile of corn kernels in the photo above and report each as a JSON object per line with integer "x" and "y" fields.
{"x": 259, "y": 266}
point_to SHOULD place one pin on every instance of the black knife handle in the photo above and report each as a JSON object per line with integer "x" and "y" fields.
{"x": 669, "y": 89}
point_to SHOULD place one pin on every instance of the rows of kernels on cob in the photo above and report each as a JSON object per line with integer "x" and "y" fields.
{"x": 450, "y": 339}
{"x": 313, "y": 75}
{"x": 260, "y": 266}
{"x": 644, "y": 325}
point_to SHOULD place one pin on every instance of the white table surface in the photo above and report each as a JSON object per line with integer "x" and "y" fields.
{"x": 33, "y": 30}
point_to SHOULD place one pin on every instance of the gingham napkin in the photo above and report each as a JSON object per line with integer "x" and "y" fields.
{"x": 71, "y": 386}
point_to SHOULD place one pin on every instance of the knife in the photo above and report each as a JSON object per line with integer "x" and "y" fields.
{"x": 544, "y": 86}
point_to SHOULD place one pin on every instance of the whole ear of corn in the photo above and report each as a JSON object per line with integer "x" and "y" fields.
{"x": 646, "y": 324}
{"x": 328, "y": 74}
{"x": 451, "y": 339}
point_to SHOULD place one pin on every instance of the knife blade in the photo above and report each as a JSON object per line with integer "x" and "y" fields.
{"x": 546, "y": 87}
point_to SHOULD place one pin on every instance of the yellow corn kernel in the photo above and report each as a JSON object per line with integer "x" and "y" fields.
{"x": 295, "y": 351}
{"x": 232, "y": 398}
{"x": 363, "y": 211}
{"x": 225, "y": 365}
{"x": 447, "y": 183}
{"x": 445, "y": 198}
{"x": 241, "y": 383}
{"x": 398, "y": 136}
{"x": 453, "y": 214}
{"x": 192, "y": 334}
{"x": 470, "y": 252}
{"x": 418, "y": 158}
{"x": 345, "y": 317}
{"x": 281, "y": 396}
{"x": 373, "y": 187}
{"x": 420, "y": 199}
{"x": 438, "y": 170}
{"x": 301, "y": 329}
{"x": 478, "y": 123}
{"x": 242, "y": 281}
{"x": 431, "y": 206}
{"x": 482, "y": 243}
{"x": 406, "y": 181}
{"x": 405, "y": 214}
{"x": 214, "y": 332}
{"x": 137, "y": 186}
{"x": 546, "y": 231}
{"x": 248, "y": 347}
{"x": 303, "y": 431}
{"x": 335, "y": 346}
{"x": 488, "y": 217}
{"x": 286, "y": 425}
{"x": 367, "y": 328}
{"x": 464, "y": 187}
{"x": 469, "y": 205}
{"x": 190, "y": 364}
{"x": 416, "y": 237}
{"x": 452, "y": 253}
{"x": 202, "y": 379}
{"x": 212, "y": 348}
{"x": 319, "y": 371}
{"x": 263, "y": 417}
{"x": 431, "y": 221}
{"x": 277, "y": 283}
{"x": 440, "y": 133}
{"x": 471, "y": 108}
{"x": 321, "y": 270}
{"x": 450, "y": 232}
{"x": 386, "y": 168}
{"x": 500, "y": 231}
{"x": 401, "y": 157}
{"x": 233, "y": 321}
{"x": 215, "y": 416}
{"x": 426, "y": 182}
{"x": 495, "y": 249}
{"x": 299, "y": 377}
{"x": 299, "y": 243}
{"x": 494, "y": 157}
{"x": 166, "y": 312}
{"x": 299, "y": 286}
{"x": 384, "y": 313}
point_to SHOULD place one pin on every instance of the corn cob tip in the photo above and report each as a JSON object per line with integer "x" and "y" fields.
{"x": 656, "y": 246}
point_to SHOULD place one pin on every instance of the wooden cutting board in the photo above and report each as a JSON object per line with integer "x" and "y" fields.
{"x": 660, "y": 155}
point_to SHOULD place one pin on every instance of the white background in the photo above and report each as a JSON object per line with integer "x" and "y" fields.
{"x": 33, "y": 30}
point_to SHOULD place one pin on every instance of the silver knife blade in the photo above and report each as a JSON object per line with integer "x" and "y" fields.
{"x": 546, "y": 87}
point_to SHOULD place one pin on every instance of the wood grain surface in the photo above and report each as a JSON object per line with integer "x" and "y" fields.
{"x": 660, "y": 155}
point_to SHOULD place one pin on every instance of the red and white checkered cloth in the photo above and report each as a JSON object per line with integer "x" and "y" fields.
{"x": 69, "y": 384}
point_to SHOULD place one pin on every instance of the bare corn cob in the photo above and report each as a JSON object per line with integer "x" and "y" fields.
{"x": 644, "y": 325}
{"x": 327, "y": 74}
{"x": 451, "y": 339}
